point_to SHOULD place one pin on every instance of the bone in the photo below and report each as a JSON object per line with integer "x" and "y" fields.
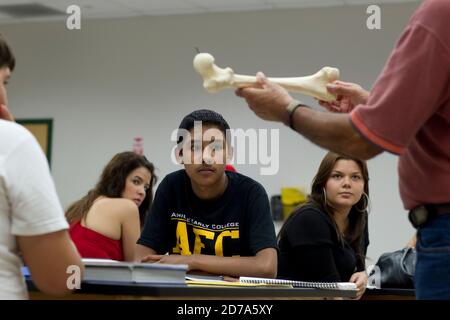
{"x": 216, "y": 79}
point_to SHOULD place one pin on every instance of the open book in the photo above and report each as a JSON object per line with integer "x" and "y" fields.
{"x": 111, "y": 270}
{"x": 300, "y": 284}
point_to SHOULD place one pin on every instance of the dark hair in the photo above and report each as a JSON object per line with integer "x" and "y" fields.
{"x": 206, "y": 117}
{"x": 112, "y": 183}
{"x": 6, "y": 55}
{"x": 358, "y": 213}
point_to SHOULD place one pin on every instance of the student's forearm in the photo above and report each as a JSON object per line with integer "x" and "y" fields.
{"x": 51, "y": 258}
{"x": 235, "y": 266}
{"x": 142, "y": 251}
{"x": 333, "y": 132}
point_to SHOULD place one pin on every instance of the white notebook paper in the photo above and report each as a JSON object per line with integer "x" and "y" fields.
{"x": 301, "y": 284}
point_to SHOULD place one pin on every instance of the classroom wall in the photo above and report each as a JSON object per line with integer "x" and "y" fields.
{"x": 120, "y": 78}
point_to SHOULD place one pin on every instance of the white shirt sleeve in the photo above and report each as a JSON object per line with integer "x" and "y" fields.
{"x": 35, "y": 207}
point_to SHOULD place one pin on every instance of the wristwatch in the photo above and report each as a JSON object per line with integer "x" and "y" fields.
{"x": 291, "y": 107}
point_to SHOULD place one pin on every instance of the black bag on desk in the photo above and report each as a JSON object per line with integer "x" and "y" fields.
{"x": 397, "y": 268}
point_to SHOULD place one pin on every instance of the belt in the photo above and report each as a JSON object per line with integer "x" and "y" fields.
{"x": 421, "y": 214}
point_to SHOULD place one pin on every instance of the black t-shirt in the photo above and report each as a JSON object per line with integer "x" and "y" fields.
{"x": 239, "y": 223}
{"x": 311, "y": 251}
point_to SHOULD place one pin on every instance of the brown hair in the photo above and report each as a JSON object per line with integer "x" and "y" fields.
{"x": 7, "y": 58}
{"x": 112, "y": 183}
{"x": 358, "y": 213}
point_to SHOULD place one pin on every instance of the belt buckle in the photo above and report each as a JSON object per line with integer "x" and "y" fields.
{"x": 418, "y": 216}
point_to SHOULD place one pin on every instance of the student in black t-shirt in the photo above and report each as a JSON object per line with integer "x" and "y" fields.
{"x": 213, "y": 220}
{"x": 326, "y": 239}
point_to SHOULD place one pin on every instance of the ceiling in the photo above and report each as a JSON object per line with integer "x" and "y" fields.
{"x": 18, "y": 11}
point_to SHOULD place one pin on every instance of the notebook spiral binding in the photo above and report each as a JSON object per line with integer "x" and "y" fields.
{"x": 295, "y": 284}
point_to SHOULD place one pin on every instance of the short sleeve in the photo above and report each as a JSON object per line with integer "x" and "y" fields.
{"x": 261, "y": 230}
{"x": 411, "y": 88}
{"x": 156, "y": 228}
{"x": 35, "y": 206}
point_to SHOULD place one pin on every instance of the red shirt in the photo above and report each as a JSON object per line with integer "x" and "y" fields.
{"x": 408, "y": 111}
{"x": 91, "y": 244}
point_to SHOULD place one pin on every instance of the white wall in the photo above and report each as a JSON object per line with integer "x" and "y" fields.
{"x": 116, "y": 79}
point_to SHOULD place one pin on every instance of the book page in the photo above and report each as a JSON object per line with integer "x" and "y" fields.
{"x": 224, "y": 283}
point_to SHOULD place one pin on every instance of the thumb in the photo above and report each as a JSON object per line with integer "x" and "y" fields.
{"x": 339, "y": 89}
{"x": 262, "y": 79}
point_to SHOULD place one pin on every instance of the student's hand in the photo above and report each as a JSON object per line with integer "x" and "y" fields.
{"x": 412, "y": 242}
{"x": 169, "y": 259}
{"x": 5, "y": 114}
{"x": 348, "y": 96}
{"x": 360, "y": 279}
{"x": 267, "y": 99}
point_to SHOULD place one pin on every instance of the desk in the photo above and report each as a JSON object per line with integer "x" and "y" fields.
{"x": 389, "y": 294}
{"x": 93, "y": 290}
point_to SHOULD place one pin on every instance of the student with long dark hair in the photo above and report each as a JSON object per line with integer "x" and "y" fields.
{"x": 106, "y": 222}
{"x": 326, "y": 239}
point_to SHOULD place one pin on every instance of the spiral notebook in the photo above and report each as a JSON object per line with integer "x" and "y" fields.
{"x": 300, "y": 284}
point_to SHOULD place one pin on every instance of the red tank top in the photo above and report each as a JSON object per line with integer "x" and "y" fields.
{"x": 91, "y": 244}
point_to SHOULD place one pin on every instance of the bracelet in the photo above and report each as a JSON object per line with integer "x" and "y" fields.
{"x": 291, "y": 107}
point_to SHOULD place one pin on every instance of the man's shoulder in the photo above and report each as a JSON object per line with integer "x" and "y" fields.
{"x": 443, "y": 6}
{"x": 244, "y": 182}
{"x": 433, "y": 14}
{"x": 12, "y": 130}
{"x": 172, "y": 184}
{"x": 174, "y": 178}
{"x": 12, "y": 135}
{"x": 178, "y": 174}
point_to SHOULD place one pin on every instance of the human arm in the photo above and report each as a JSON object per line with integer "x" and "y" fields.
{"x": 412, "y": 90}
{"x": 37, "y": 218}
{"x": 48, "y": 257}
{"x": 118, "y": 219}
{"x": 142, "y": 252}
{"x": 328, "y": 130}
{"x": 130, "y": 226}
{"x": 263, "y": 264}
